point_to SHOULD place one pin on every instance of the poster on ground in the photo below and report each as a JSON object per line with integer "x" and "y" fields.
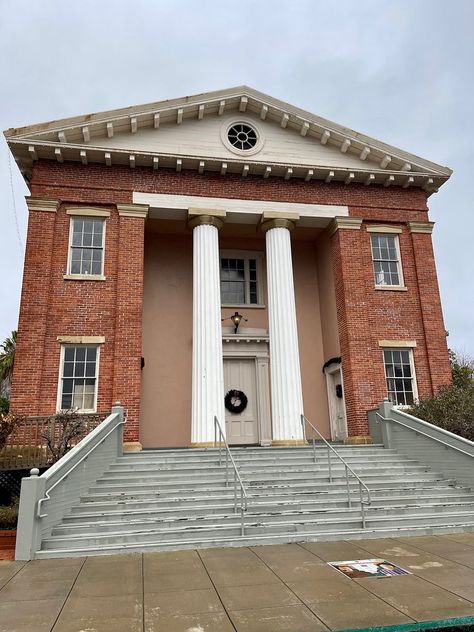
{"x": 357, "y": 569}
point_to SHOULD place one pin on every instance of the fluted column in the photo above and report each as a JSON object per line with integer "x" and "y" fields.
{"x": 208, "y": 372}
{"x": 287, "y": 395}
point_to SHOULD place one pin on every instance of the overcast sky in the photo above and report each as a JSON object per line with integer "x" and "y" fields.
{"x": 401, "y": 71}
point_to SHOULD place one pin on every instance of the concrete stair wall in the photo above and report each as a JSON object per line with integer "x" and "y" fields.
{"x": 171, "y": 499}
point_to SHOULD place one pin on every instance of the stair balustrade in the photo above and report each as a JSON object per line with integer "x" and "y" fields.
{"x": 363, "y": 489}
{"x": 221, "y": 443}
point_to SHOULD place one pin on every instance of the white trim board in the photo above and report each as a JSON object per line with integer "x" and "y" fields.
{"x": 169, "y": 206}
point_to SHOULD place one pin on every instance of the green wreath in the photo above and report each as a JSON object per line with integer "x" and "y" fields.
{"x": 235, "y": 401}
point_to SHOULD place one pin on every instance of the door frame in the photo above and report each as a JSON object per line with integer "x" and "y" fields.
{"x": 254, "y": 346}
{"x": 330, "y": 371}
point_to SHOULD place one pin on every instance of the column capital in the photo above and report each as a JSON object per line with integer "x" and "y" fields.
{"x": 277, "y": 219}
{"x": 211, "y": 217}
{"x": 133, "y": 210}
{"x": 351, "y": 223}
{"x": 40, "y": 204}
{"x": 421, "y": 227}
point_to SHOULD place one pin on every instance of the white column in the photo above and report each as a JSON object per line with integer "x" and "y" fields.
{"x": 207, "y": 371}
{"x": 286, "y": 391}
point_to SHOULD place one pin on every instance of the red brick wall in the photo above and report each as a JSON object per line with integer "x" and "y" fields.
{"x": 112, "y": 185}
{"x": 367, "y": 315}
{"x": 52, "y": 306}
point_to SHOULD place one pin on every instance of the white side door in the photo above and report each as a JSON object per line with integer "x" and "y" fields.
{"x": 337, "y": 407}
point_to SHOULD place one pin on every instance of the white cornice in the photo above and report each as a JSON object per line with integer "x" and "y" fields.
{"x": 73, "y": 139}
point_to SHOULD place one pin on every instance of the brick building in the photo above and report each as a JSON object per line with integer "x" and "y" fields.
{"x": 151, "y": 226}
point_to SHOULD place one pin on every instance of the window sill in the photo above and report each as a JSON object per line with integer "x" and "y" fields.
{"x": 77, "y": 411}
{"x": 392, "y": 288}
{"x": 84, "y": 277}
{"x": 243, "y": 306}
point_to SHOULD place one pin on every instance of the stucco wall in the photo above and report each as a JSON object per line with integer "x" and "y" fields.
{"x": 167, "y": 330}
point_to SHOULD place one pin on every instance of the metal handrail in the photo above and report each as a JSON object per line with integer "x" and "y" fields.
{"x": 237, "y": 480}
{"x": 425, "y": 434}
{"x": 347, "y": 469}
{"x": 47, "y": 496}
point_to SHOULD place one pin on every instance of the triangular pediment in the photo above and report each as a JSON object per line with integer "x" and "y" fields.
{"x": 192, "y": 133}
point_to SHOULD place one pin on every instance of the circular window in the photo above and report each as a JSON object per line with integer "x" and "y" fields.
{"x": 242, "y": 136}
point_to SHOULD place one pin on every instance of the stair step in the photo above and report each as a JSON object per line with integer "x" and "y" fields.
{"x": 274, "y": 516}
{"x": 308, "y": 488}
{"x": 216, "y": 541}
{"x": 257, "y": 528}
{"x": 162, "y": 471}
{"x": 113, "y": 510}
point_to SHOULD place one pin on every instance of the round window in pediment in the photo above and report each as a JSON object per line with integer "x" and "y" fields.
{"x": 242, "y": 136}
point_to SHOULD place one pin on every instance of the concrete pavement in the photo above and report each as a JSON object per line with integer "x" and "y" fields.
{"x": 280, "y": 588}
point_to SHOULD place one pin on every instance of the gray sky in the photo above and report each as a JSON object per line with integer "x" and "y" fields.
{"x": 401, "y": 71}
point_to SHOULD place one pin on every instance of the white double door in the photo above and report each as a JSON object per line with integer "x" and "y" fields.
{"x": 242, "y": 428}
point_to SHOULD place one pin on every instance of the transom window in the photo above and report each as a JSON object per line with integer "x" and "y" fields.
{"x": 87, "y": 246}
{"x": 240, "y": 282}
{"x": 386, "y": 258}
{"x": 78, "y": 389}
{"x": 399, "y": 373}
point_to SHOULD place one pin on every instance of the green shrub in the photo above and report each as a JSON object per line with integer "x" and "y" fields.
{"x": 9, "y": 515}
{"x": 4, "y": 404}
{"x": 452, "y": 408}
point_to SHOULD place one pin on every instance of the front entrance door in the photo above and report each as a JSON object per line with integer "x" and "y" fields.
{"x": 240, "y": 375}
{"x": 337, "y": 407}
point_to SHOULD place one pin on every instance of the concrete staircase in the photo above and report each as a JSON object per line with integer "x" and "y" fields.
{"x": 173, "y": 499}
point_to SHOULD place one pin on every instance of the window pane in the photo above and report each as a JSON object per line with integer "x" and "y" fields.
{"x": 91, "y": 354}
{"x": 238, "y": 281}
{"x": 66, "y": 401}
{"x": 88, "y": 401}
{"x": 90, "y": 369}
{"x": 87, "y": 239}
{"x": 78, "y": 377}
{"x": 68, "y": 386}
{"x": 79, "y": 369}
{"x": 87, "y": 250}
{"x": 399, "y": 376}
{"x": 68, "y": 369}
{"x": 385, "y": 259}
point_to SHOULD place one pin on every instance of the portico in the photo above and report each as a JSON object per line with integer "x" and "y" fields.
{"x": 207, "y": 375}
{"x": 265, "y": 352}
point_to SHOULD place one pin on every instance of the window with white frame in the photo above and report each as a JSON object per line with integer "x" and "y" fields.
{"x": 78, "y": 378}
{"x": 386, "y": 259}
{"x": 400, "y": 376}
{"x": 86, "y": 251}
{"x": 241, "y": 278}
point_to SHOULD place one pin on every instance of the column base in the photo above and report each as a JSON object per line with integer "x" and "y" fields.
{"x": 289, "y": 442}
{"x": 203, "y": 444}
{"x": 132, "y": 446}
{"x": 358, "y": 440}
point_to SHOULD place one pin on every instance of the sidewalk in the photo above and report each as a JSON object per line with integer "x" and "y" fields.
{"x": 284, "y": 588}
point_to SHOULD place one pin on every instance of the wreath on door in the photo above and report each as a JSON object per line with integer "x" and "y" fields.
{"x": 236, "y": 401}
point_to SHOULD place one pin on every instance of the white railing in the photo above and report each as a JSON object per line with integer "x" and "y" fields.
{"x": 221, "y": 443}
{"x": 363, "y": 489}
{"x": 64, "y": 482}
{"x": 436, "y": 447}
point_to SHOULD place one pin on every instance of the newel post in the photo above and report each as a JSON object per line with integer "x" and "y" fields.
{"x": 28, "y": 536}
{"x": 117, "y": 409}
{"x": 385, "y": 410}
